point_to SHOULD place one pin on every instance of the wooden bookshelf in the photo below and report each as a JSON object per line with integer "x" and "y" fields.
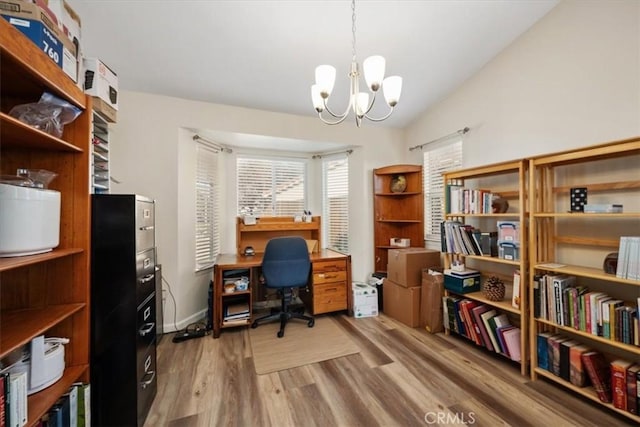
{"x": 509, "y": 180}
{"x": 576, "y": 243}
{"x": 46, "y": 293}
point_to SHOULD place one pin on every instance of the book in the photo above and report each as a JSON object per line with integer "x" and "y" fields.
{"x": 515, "y": 298}
{"x": 619, "y": 383}
{"x": 84, "y": 404}
{"x": 577, "y": 374}
{"x": 632, "y": 388}
{"x": 512, "y": 341}
{"x": 599, "y": 374}
{"x": 554, "y": 353}
{"x": 503, "y": 345}
{"x": 477, "y": 317}
{"x": 542, "y": 349}
{"x": 3, "y": 397}
{"x": 486, "y": 330}
{"x": 565, "y": 351}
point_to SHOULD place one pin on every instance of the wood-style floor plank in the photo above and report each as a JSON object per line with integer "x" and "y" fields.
{"x": 401, "y": 377}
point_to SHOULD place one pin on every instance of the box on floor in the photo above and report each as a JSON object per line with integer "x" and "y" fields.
{"x": 402, "y": 303}
{"x": 405, "y": 265}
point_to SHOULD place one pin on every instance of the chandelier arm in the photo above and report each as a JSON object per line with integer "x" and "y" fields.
{"x": 337, "y": 116}
{"x": 337, "y": 122}
{"x": 374, "y": 119}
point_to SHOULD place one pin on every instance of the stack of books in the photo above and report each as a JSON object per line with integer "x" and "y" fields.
{"x": 236, "y": 311}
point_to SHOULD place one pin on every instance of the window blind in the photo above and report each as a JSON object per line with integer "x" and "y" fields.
{"x": 271, "y": 187}
{"x": 207, "y": 206}
{"x": 441, "y": 157}
{"x": 335, "y": 203}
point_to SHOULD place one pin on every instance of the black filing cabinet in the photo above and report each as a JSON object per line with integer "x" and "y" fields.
{"x": 123, "y": 309}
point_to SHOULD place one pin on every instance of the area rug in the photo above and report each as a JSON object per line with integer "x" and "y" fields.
{"x": 300, "y": 345}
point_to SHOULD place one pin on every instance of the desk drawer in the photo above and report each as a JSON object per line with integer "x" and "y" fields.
{"x": 326, "y": 266}
{"x": 329, "y": 277}
{"x": 329, "y": 297}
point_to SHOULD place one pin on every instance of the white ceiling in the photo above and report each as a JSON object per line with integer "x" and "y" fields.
{"x": 262, "y": 54}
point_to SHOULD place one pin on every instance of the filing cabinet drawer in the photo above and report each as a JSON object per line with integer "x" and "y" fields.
{"x": 146, "y": 326}
{"x": 329, "y": 297}
{"x": 147, "y": 383}
{"x": 329, "y": 277}
{"x": 145, "y": 228}
{"x": 328, "y": 266}
{"x": 145, "y": 275}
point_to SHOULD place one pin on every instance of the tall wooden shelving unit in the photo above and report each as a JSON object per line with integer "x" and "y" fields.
{"x": 398, "y": 214}
{"x": 580, "y": 241}
{"x": 509, "y": 180}
{"x": 46, "y": 293}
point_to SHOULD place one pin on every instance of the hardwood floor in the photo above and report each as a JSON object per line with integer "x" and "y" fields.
{"x": 401, "y": 377}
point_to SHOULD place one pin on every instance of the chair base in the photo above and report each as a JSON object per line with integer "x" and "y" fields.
{"x": 284, "y": 314}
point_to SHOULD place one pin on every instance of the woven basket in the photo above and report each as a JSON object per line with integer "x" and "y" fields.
{"x": 493, "y": 289}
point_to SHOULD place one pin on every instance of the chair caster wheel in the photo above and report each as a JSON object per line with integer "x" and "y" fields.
{"x": 311, "y": 323}
{"x": 254, "y": 325}
{"x": 280, "y": 334}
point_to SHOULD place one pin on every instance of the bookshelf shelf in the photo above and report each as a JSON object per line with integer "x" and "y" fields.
{"x": 574, "y": 244}
{"x": 508, "y": 181}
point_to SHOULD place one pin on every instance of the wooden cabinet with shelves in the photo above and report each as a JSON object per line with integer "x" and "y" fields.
{"x": 46, "y": 293}
{"x": 398, "y": 209}
{"x": 575, "y": 244}
{"x": 507, "y": 180}
{"x": 257, "y": 235}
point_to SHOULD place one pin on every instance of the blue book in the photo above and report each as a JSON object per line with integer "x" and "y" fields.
{"x": 543, "y": 348}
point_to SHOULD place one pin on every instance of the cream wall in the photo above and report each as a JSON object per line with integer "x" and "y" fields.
{"x": 153, "y": 154}
{"x": 573, "y": 79}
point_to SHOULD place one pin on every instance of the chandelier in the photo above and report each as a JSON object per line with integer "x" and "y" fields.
{"x": 359, "y": 102}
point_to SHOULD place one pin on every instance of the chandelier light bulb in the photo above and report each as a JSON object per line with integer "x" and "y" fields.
{"x": 325, "y": 79}
{"x": 362, "y": 104}
{"x": 318, "y": 103}
{"x": 392, "y": 87}
{"x": 374, "y": 71}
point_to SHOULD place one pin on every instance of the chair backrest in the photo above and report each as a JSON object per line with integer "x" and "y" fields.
{"x": 286, "y": 262}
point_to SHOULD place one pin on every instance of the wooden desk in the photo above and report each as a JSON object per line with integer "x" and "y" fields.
{"x": 330, "y": 285}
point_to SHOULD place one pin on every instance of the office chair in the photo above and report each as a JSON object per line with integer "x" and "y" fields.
{"x": 285, "y": 266}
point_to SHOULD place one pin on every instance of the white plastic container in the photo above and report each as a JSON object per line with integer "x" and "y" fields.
{"x": 29, "y": 220}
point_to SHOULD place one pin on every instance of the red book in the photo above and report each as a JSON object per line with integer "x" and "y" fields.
{"x": 599, "y": 373}
{"x": 577, "y": 374}
{"x": 619, "y": 383}
{"x": 632, "y": 388}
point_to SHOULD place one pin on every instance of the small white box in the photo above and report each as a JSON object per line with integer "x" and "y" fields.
{"x": 365, "y": 300}
{"x": 399, "y": 242}
{"x": 100, "y": 81}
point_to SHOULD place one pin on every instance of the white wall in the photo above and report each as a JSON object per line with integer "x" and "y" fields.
{"x": 572, "y": 80}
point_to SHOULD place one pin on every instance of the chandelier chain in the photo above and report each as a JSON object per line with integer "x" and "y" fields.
{"x": 353, "y": 29}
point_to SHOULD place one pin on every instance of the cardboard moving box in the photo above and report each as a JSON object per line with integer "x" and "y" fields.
{"x": 405, "y": 265}
{"x": 402, "y": 303}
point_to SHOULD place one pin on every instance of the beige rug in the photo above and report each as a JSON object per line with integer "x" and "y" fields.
{"x": 300, "y": 345}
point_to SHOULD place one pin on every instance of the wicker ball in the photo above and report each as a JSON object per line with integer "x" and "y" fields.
{"x": 493, "y": 289}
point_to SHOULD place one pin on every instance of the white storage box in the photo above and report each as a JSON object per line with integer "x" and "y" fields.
{"x": 365, "y": 300}
{"x": 29, "y": 220}
{"x": 399, "y": 242}
{"x": 100, "y": 81}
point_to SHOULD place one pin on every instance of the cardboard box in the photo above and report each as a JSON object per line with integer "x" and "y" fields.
{"x": 365, "y": 300}
{"x": 402, "y": 303}
{"x": 405, "y": 265}
{"x": 37, "y": 25}
{"x": 100, "y": 81}
{"x": 462, "y": 283}
{"x": 105, "y": 110}
{"x": 431, "y": 301}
